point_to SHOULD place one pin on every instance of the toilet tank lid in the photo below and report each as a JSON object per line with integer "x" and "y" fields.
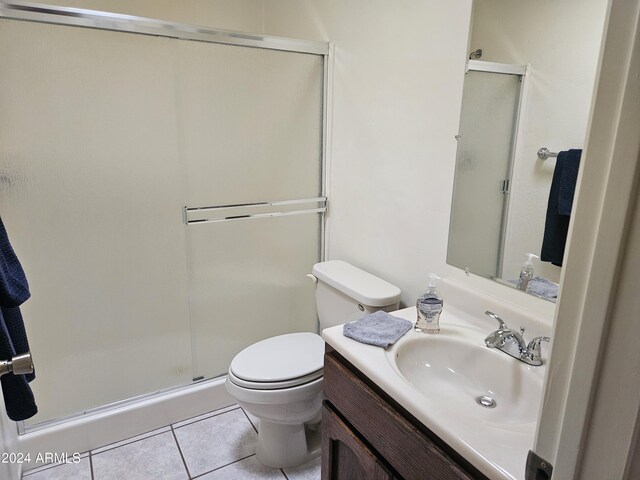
{"x": 363, "y": 287}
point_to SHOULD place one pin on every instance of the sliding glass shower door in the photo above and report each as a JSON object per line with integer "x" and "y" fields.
{"x": 257, "y": 139}
{"x": 117, "y": 151}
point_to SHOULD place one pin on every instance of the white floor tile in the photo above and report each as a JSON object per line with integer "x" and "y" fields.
{"x": 308, "y": 471}
{"x": 156, "y": 458}
{"x": 29, "y": 471}
{"x": 216, "y": 441}
{"x": 247, "y": 469}
{"x": 75, "y": 471}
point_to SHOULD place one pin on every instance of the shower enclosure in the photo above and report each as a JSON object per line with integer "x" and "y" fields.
{"x": 163, "y": 188}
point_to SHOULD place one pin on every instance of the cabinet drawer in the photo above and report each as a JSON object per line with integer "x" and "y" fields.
{"x": 406, "y": 448}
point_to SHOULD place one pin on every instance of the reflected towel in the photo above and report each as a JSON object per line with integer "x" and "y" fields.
{"x": 543, "y": 288}
{"x": 561, "y": 194}
{"x": 540, "y": 287}
{"x": 379, "y": 329}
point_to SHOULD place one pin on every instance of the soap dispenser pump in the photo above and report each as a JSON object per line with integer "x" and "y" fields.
{"x": 526, "y": 274}
{"x": 429, "y": 307}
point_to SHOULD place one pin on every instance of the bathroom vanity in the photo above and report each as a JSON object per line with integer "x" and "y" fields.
{"x": 440, "y": 406}
{"x": 366, "y": 434}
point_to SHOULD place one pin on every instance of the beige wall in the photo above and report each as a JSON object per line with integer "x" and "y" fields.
{"x": 561, "y": 41}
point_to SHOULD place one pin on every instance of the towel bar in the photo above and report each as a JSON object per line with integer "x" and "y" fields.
{"x": 544, "y": 153}
{"x": 243, "y": 211}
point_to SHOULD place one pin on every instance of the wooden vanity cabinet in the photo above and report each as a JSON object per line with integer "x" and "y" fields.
{"x": 367, "y": 435}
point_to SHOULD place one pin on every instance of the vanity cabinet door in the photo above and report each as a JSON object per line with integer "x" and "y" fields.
{"x": 345, "y": 456}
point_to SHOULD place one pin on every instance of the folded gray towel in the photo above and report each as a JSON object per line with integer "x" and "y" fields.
{"x": 541, "y": 287}
{"x": 379, "y": 329}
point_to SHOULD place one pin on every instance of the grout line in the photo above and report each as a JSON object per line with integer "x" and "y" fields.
{"x": 223, "y": 466}
{"x": 91, "y": 466}
{"x": 184, "y": 462}
{"x": 130, "y": 443}
{"x": 284, "y": 473}
{"x": 126, "y": 442}
{"x": 205, "y": 418}
{"x": 250, "y": 421}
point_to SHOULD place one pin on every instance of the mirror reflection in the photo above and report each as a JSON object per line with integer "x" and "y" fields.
{"x": 527, "y": 96}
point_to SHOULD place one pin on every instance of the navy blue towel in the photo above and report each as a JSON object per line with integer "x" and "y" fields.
{"x": 14, "y": 291}
{"x": 563, "y": 187}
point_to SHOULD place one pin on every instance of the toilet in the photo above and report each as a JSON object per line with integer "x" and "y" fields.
{"x": 279, "y": 380}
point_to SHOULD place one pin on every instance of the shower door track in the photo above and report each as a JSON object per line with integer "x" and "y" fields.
{"x": 79, "y": 17}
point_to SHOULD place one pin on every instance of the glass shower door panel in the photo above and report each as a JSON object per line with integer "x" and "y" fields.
{"x": 489, "y": 108}
{"x": 250, "y": 123}
{"x": 250, "y": 130}
{"x": 90, "y": 194}
{"x": 248, "y": 282}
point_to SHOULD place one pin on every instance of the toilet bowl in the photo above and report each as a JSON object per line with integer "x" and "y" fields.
{"x": 279, "y": 380}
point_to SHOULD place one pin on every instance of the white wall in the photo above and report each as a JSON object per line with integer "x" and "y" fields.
{"x": 397, "y": 90}
{"x": 561, "y": 40}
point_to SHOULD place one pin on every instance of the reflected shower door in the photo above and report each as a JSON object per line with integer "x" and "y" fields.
{"x": 490, "y": 105}
{"x": 249, "y": 132}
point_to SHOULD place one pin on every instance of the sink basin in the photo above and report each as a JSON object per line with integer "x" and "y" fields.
{"x": 470, "y": 379}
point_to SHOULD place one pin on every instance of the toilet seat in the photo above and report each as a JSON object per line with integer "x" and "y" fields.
{"x": 280, "y": 362}
{"x": 293, "y": 382}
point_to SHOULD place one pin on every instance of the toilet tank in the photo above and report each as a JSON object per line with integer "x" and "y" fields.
{"x": 345, "y": 293}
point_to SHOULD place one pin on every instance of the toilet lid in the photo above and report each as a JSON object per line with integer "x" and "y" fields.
{"x": 280, "y": 358}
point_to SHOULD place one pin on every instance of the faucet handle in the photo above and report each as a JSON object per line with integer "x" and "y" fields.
{"x": 535, "y": 343}
{"x": 533, "y": 350}
{"x": 503, "y": 326}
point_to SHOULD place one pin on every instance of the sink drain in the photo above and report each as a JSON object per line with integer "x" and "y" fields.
{"x": 486, "y": 402}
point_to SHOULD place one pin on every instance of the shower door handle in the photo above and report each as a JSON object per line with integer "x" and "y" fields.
{"x": 18, "y": 365}
{"x": 505, "y": 186}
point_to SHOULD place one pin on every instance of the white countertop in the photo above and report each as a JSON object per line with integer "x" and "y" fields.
{"x": 498, "y": 450}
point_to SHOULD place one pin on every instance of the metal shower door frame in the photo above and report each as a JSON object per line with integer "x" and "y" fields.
{"x": 523, "y": 72}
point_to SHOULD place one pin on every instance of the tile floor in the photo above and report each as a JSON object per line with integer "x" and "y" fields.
{"x": 216, "y": 446}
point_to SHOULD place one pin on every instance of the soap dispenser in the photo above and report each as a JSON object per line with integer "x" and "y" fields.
{"x": 526, "y": 274}
{"x": 429, "y": 307}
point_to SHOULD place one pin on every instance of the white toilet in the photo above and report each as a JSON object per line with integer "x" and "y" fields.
{"x": 279, "y": 380}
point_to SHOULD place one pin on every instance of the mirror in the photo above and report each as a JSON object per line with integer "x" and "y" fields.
{"x": 529, "y": 84}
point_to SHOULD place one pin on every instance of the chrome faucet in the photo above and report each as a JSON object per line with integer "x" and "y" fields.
{"x": 512, "y": 343}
